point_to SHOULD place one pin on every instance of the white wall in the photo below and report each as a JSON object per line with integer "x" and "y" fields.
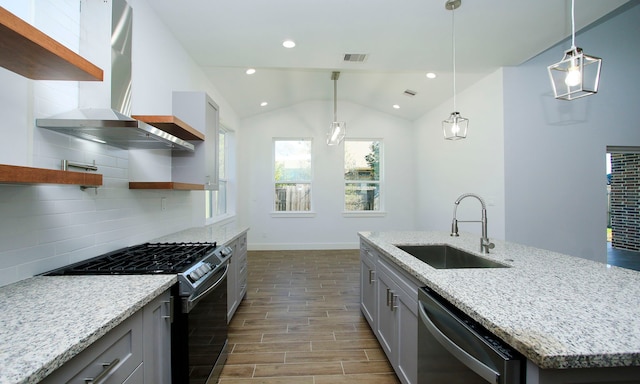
{"x": 446, "y": 169}
{"x": 328, "y": 229}
{"x": 47, "y": 226}
{"x": 555, "y": 150}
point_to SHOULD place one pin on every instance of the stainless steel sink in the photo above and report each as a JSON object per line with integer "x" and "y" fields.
{"x": 446, "y": 257}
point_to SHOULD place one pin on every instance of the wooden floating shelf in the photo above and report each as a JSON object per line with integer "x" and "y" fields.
{"x": 30, "y": 53}
{"x": 12, "y": 174}
{"x": 166, "y": 185}
{"x": 172, "y": 125}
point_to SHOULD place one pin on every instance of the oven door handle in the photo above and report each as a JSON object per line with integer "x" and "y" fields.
{"x": 191, "y": 302}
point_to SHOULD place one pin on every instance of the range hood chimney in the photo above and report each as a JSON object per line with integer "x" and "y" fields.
{"x": 112, "y": 126}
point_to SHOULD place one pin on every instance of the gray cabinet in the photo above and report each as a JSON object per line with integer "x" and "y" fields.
{"x": 157, "y": 340}
{"x": 389, "y": 302}
{"x": 201, "y": 166}
{"x": 137, "y": 351}
{"x": 368, "y": 260}
{"x": 237, "y": 276}
{"x": 401, "y": 317}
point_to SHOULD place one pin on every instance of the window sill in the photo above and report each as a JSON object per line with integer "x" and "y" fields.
{"x": 356, "y": 214}
{"x": 293, "y": 214}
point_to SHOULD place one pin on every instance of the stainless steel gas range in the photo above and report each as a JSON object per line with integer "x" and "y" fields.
{"x": 199, "y": 327}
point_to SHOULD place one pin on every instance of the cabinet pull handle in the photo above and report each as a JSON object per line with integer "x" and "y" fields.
{"x": 108, "y": 367}
{"x": 388, "y": 298}
{"x": 394, "y": 302}
{"x": 371, "y": 274}
{"x": 169, "y": 308}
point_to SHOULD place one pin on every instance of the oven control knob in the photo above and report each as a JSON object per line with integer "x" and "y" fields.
{"x": 206, "y": 267}
{"x": 195, "y": 275}
{"x": 226, "y": 251}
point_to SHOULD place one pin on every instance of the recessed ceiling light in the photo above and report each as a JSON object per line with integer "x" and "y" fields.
{"x": 250, "y": 71}
{"x": 288, "y": 43}
{"x": 431, "y": 75}
{"x": 396, "y": 106}
{"x": 264, "y": 104}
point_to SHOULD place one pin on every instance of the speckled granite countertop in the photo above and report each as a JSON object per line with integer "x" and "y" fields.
{"x": 47, "y": 320}
{"x": 221, "y": 233}
{"x": 557, "y": 310}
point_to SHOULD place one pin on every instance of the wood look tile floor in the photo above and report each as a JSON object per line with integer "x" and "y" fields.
{"x": 301, "y": 323}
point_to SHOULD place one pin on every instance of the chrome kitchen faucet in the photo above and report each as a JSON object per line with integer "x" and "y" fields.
{"x": 485, "y": 244}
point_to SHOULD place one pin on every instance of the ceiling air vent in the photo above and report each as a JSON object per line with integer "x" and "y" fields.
{"x": 355, "y": 57}
{"x": 410, "y": 93}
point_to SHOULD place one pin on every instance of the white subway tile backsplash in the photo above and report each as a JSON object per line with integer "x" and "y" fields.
{"x": 54, "y": 97}
{"x": 12, "y": 241}
{"x": 74, "y": 244}
{"x": 64, "y": 233}
{"x": 11, "y": 275}
{"x": 46, "y": 226}
{"x": 25, "y": 255}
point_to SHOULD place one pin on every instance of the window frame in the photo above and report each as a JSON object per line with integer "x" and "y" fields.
{"x": 380, "y": 182}
{"x": 212, "y": 215}
{"x": 274, "y": 182}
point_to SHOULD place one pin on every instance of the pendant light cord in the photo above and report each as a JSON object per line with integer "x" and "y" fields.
{"x": 453, "y": 23}
{"x": 573, "y": 25}
{"x": 335, "y": 99}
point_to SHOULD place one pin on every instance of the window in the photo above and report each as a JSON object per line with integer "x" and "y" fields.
{"x": 362, "y": 175}
{"x": 292, "y": 175}
{"x": 216, "y": 201}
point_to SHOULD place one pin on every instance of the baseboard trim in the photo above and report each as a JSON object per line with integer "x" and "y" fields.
{"x": 300, "y": 247}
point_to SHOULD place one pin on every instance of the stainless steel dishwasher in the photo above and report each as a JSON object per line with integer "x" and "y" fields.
{"x": 454, "y": 349}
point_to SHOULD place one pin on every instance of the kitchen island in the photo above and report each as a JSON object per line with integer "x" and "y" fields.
{"x": 566, "y": 315}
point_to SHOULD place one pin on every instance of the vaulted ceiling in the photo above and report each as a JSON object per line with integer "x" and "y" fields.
{"x": 402, "y": 40}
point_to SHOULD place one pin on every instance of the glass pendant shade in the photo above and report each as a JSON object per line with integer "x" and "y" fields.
{"x": 336, "y": 133}
{"x": 576, "y": 75}
{"x": 455, "y": 127}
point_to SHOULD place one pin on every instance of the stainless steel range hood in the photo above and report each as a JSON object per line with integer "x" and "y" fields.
{"x": 111, "y": 125}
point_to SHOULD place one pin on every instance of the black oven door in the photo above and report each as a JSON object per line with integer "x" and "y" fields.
{"x": 199, "y": 333}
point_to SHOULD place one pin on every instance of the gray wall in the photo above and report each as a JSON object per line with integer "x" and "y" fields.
{"x": 555, "y": 150}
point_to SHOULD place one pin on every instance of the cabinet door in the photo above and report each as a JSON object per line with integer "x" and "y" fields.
{"x": 232, "y": 282}
{"x": 368, "y": 289}
{"x": 402, "y": 332}
{"x": 407, "y": 339}
{"x": 386, "y": 319}
{"x": 137, "y": 377}
{"x": 201, "y": 166}
{"x": 242, "y": 267}
{"x": 157, "y": 340}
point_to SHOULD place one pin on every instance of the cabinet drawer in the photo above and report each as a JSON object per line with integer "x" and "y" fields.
{"x": 367, "y": 253}
{"x": 242, "y": 282}
{"x": 242, "y": 243}
{"x": 115, "y": 356}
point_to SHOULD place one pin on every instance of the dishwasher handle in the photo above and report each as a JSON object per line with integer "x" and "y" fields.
{"x": 459, "y": 353}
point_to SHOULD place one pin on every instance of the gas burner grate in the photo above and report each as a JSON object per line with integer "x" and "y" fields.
{"x": 148, "y": 258}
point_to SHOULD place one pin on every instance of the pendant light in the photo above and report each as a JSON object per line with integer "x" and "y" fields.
{"x": 337, "y": 129}
{"x": 455, "y": 127}
{"x": 576, "y": 75}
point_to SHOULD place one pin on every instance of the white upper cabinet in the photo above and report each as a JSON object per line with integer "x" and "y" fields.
{"x": 201, "y": 167}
